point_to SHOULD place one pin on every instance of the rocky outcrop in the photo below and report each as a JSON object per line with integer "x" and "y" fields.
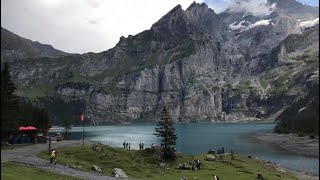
{"x": 96, "y": 168}
{"x": 117, "y": 172}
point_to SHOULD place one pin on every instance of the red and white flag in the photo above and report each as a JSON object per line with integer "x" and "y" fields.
{"x": 81, "y": 117}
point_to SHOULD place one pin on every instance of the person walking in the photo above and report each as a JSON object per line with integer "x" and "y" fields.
{"x": 53, "y": 156}
{"x": 124, "y": 145}
{"x": 140, "y": 146}
{"x": 129, "y": 146}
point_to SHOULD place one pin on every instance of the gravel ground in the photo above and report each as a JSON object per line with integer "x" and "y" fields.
{"x": 26, "y": 155}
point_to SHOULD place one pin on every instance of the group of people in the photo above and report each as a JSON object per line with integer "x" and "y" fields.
{"x": 126, "y": 145}
{"x": 141, "y": 146}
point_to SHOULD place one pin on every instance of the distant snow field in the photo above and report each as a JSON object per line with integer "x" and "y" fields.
{"x": 306, "y": 24}
{"x": 240, "y": 25}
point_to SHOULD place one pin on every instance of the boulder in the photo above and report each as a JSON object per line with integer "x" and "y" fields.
{"x": 76, "y": 166}
{"x": 162, "y": 164}
{"x": 96, "y": 168}
{"x": 96, "y": 148}
{"x": 117, "y": 172}
{"x": 210, "y": 158}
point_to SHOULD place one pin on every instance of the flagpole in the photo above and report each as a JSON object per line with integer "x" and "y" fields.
{"x": 83, "y": 134}
{"x": 82, "y": 121}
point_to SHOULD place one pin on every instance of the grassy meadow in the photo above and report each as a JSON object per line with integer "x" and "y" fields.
{"x": 142, "y": 165}
{"x": 14, "y": 171}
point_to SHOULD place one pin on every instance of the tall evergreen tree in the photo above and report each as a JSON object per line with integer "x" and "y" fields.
{"x": 10, "y": 104}
{"x": 67, "y": 126}
{"x": 166, "y": 132}
{"x": 43, "y": 119}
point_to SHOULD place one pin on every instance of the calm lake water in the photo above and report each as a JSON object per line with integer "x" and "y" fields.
{"x": 194, "y": 138}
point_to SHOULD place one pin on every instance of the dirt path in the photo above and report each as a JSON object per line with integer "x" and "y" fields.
{"x": 26, "y": 155}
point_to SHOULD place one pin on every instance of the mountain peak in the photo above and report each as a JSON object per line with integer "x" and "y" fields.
{"x": 197, "y": 5}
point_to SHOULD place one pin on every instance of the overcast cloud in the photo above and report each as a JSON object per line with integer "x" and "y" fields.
{"x": 79, "y": 26}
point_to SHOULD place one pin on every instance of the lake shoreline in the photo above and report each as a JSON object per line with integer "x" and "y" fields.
{"x": 303, "y": 146}
{"x": 298, "y": 174}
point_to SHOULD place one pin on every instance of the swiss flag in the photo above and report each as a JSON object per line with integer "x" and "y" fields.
{"x": 81, "y": 117}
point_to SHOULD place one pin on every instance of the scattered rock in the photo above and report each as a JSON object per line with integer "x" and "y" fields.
{"x": 249, "y": 156}
{"x": 96, "y": 148}
{"x": 117, "y": 172}
{"x": 279, "y": 169}
{"x": 183, "y": 166}
{"x": 76, "y": 166}
{"x": 279, "y": 175}
{"x": 183, "y": 178}
{"x": 210, "y": 158}
{"x": 96, "y": 168}
{"x": 162, "y": 165}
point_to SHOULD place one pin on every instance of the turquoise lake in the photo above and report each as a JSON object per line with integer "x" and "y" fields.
{"x": 194, "y": 138}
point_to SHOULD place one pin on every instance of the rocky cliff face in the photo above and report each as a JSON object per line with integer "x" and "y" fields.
{"x": 202, "y": 65}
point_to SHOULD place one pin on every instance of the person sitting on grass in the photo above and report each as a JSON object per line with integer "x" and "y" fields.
{"x": 259, "y": 175}
{"x": 215, "y": 177}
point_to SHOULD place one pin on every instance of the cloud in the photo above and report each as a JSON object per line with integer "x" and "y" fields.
{"x": 253, "y": 7}
{"x": 94, "y": 3}
{"x": 310, "y": 2}
{"x": 94, "y": 20}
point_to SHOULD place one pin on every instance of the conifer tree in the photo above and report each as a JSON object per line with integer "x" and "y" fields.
{"x": 10, "y": 104}
{"x": 166, "y": 132}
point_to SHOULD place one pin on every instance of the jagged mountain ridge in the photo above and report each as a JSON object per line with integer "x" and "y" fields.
{"x": 190, "y": 60}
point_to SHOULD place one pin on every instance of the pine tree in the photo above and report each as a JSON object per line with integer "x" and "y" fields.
{"x": 67, "y": 126}
{"x": 166, "y": 132}
{"x": 42, "y": 121}
{"x": 10, "y": 104}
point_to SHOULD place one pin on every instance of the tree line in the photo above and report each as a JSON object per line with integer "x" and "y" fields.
{"x": 15, "y": 112}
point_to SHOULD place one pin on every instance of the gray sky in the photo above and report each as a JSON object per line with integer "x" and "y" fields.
{"x": 79, "y": 26}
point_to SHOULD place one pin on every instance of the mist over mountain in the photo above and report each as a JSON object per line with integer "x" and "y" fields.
{"x": 204, "y": 66}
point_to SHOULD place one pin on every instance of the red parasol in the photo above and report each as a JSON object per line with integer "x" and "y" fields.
{"x": 29, "y": 128}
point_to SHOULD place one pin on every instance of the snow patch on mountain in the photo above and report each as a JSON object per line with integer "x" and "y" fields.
{"x": 307, "y": 24}
{"x": 242, "y": 25}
